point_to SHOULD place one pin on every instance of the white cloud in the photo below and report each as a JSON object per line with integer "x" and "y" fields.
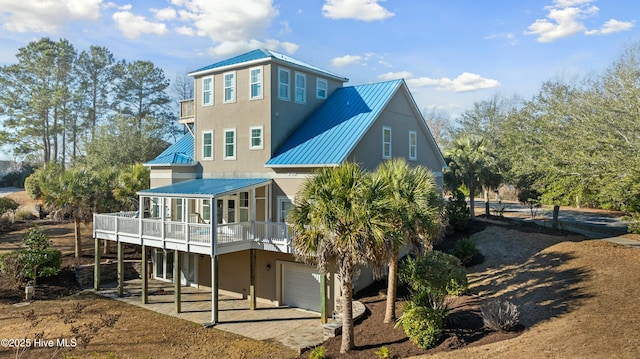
{"x": 185, "y": 30}
{"x": 395, "y": 75}
{"x": 465, "y": 82}
{"x": 366, "y": 10}
{"x": 164, "y": 14}
{"x": 509, "y": 37}
{"x": 45, "y": 15}
{"x": 565, "y": 18}
{"x": 132, "y": 25}
{"x": 346, "y": 60}
{"x": 125, "y": 7}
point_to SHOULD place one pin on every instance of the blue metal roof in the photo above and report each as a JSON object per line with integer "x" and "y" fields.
{"x": 336, "y": 127}
{"x": 204, "y": 187}
{"x": 180, "y": 153}
{"x": 265, "y": 54}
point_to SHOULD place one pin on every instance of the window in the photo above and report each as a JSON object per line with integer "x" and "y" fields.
{"x": 301, "y": 88}
{"x": 178, "y": 205}
{"x": 256, "y": 138}
{"x": 321, "y": 89}
{"x": 206, "y": 210}
{"x": 207, "y": 145}
{"x": 230, "y": 144}
{"x": 244, "y": 206}
{"x": 284, "y": 206}
{"x": 283, "y": 84}
{"x": 386, "y": 142}
{"x": 413, "y": 147}
{"x": 255, "y": 82}
{"x": 230, "y": 87}
{"x": 207, "y": 91}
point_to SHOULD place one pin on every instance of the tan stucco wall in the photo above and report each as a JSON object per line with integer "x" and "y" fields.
{"x": 164, "y": 176}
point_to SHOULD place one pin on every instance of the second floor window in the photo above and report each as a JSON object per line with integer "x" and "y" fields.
{"x": 386, "y": 142}
{"x": 301, "y": 88}
{"x": 255, "y": 79}
{"x": 207, "y": 145}
{"x": 230, "y": 87}
{"x": 207, "y": 91}
{"x": 321, "y": 89}
{"x": 283, "y": 84}
{"x": 230, "y": 144}
{"x": 256, "y": 138}
{"x": 413, "y": 145}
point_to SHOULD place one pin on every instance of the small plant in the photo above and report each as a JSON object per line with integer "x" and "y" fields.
{"x": 465, "y": 249}
{"x": 498, "y": 210}
{"x": 383, "y": 352}
{"x": 8, "y": 205}
{"x": 317, "y": 353}
{"x": 531, "y": 198}
{"x": 25, "y": 215}
{"x": 434, "y": 272}
{"x": 423, "y": 325}
{"x": 500, "y": 315}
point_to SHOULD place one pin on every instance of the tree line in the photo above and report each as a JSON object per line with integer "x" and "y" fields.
{"x": 62, "y": 105}
{"x": 573, "y": 143}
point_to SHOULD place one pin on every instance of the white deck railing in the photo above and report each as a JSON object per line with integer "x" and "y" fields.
{"x": 266, "y": 235}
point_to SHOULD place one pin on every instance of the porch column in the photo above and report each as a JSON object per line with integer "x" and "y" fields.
{"x": 176, "y": 279}
{"x": 145, "y": 275}
{"x": 252, "y": 279}
{"x": 96, "y": 268}
{"x": 323, "y": 298}
{"x": 120, "y": 270}
{"x": 214, "y": 289}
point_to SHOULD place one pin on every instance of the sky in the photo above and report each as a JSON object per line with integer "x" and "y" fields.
{"x": 452, "y": 53}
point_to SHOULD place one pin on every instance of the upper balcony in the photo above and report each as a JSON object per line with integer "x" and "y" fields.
{"x": 187, "y": 113}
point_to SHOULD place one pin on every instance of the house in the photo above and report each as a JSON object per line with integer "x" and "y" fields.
{"x": 260, "y": 123}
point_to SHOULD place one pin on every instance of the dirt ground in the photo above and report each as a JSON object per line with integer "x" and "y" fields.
{"x": 577, "y": 298}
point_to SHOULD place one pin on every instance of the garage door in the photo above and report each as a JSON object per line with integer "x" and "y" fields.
{"x": 301, "y": 286}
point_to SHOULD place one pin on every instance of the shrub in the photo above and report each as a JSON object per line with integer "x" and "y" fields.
{"x": 531, "y": 198}
{"x": 13, "y": 268}
{"x": 383, "y": 352}
{"x": 434, "y": 272}
{"x": 423, "y": 325}
{"x": 465, "y": 250}
{"x": 7, "y": 204}
{"x": 500, "y": 315}
{"x": 317, "y": 353}
{"x": 457, "y": 211}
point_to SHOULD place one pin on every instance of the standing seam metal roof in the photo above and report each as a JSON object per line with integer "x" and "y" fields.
{"x": 336, "y": 127}
{"x": 204, "y": 187}
{"x": 180, "y": 153}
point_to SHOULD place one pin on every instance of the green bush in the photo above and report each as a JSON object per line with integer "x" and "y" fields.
{"x": 465, "y": 250}
{"x": 383, "y": 352}
{"x": 457, "y": 211}
{"x": 7, "y": 204}
{"x": 434, "y": 272}
{"x": 317, "y": 353}
{"x": 423, "y": 325}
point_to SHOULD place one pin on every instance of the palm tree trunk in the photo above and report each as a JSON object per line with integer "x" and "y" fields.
{"x": 392, "y": 279}
{"x": 346, "y": 277}
{"x": 472, "y": 204}
{"x": 78, "y": 238}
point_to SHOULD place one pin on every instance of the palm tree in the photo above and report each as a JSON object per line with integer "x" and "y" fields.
{"x": 338, "y": 219}
{"x": 414, "y": 204}
{"x": 467, "y": 157}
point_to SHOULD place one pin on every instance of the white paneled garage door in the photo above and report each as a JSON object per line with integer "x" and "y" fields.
{"x": 301, "y": 286}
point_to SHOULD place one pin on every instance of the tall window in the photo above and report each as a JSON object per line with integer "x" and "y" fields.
{"x": 413, "y": 146}
{"x": 256, "y": 138}
{"x": 207, "y": 91}
{"x": 322, "y": 86}
{"x": 301, "y": 88}
{"x": 230, "y": 144}
{"x": 230, "y": 87}
{"x": 386, "y": 142}
{"x": 283, "y": 84}
{"x": 255, "y": 82}
{"x": 207, "y": 145}
{"x": 244, "y": 206}
{"x": 206, "y": 210}
{"x": 178, "y": 205}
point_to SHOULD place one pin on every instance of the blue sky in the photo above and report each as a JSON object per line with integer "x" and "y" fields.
{"x": 452, "y": 53}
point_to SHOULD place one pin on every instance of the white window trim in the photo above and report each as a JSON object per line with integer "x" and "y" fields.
{"x": 225, "y": 87}
{"x": 413, "y": 134}
{"x": 251, "y": 146}
{"x": 288, "y": 98}
{"x": 261, "y": 83}
{"x": 326, "y": 88}
{"x": 296, "y": 88}
{"x": 385, "y": 128}
{"x": 280, "y": 200}
{"x": 210, "y": 103}
{"x": 212, "y": 145}
{"x": 225, "y": 144}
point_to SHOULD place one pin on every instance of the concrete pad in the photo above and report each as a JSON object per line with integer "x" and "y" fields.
{"x": 296, "y": 328}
